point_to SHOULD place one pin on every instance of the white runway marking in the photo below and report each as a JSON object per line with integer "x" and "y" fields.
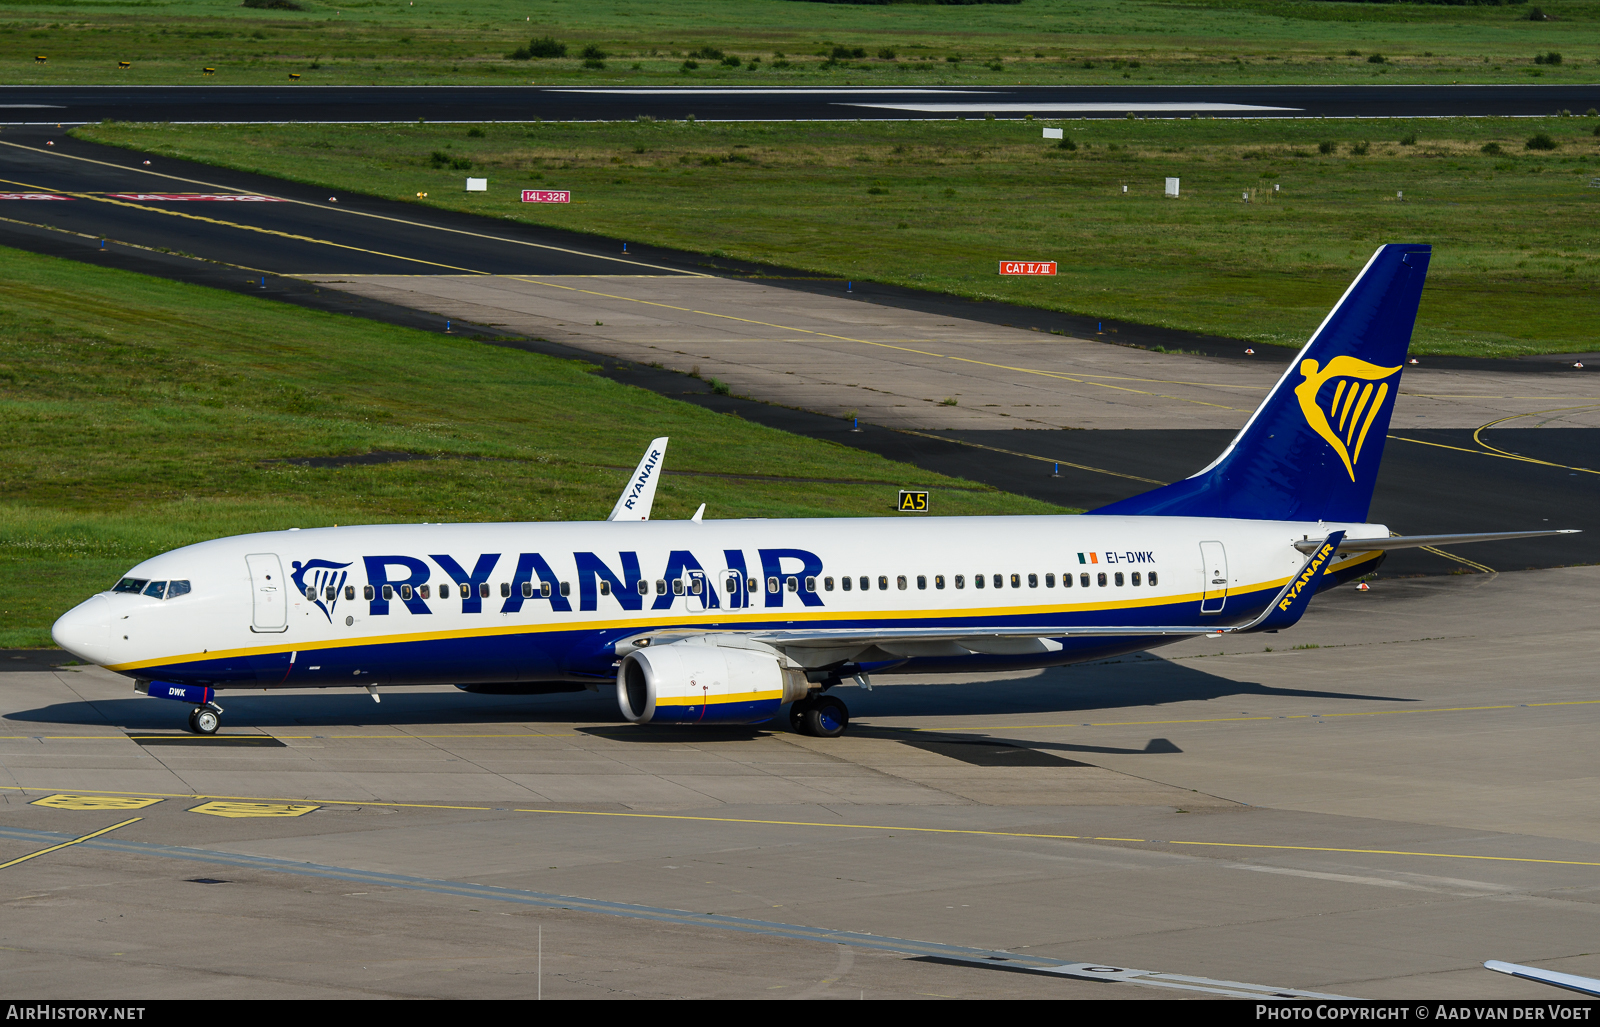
{"x": 1065, "y": 108}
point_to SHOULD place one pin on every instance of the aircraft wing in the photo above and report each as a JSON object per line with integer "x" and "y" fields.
{"x": 1367, "y": 545}
{"x": 1571, "y": 982}
{"x": 635, "y": 502}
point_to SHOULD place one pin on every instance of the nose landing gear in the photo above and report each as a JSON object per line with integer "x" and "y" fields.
{"x": 821, "y": 716}
{"x": 204, "y": 720}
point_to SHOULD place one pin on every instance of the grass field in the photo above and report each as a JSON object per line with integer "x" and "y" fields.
{"x": 936, "y": 204}
{"x": 1039, "y": 41}
{"x": 140, "y": 415}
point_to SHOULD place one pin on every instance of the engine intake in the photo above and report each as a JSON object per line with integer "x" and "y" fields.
{"x": 707, "y": 681}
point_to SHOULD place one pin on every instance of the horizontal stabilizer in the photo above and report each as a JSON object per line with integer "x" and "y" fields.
{"x": 1369, "y": 545}
{"x": 1571, "y": 982}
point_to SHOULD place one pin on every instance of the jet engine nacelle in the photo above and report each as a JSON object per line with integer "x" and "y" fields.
{"x": 707, "y": 681}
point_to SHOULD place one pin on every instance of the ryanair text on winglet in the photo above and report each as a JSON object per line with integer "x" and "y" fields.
{"x": 643, "y": 479}
{"x": 1306, "y": 576}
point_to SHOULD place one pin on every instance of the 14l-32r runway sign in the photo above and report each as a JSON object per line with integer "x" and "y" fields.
{"x": 1027, "y": 267}
{"x": 546, "y": 196}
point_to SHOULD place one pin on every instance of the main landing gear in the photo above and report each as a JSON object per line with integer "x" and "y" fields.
{"x": 204, "y": 720}
{"x": 821, "y": 716}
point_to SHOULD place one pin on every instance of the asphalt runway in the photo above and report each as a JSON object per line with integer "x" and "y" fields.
{"x": 71, "y": 105}
{"x": 1370, "y": 804}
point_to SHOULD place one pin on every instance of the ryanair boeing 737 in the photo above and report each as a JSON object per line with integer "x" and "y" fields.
{"x": 727, "y": 622}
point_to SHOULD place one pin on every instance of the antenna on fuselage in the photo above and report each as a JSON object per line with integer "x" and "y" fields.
{"x": 640, "y": 494}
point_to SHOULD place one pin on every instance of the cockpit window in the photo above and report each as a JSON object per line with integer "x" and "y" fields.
{"x": 134, "y": 585}
{"x": 156, "y": 589}
{"x": 177, "y": 588}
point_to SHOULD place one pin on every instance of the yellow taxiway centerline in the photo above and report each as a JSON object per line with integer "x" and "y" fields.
{"x": 75, "y": 841}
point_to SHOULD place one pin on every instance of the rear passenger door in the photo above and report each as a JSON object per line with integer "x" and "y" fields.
{"x": 1214, "y": 564}
{"x": 270, "y": 594}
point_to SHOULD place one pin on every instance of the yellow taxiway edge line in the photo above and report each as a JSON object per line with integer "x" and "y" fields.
{"x": 75, "y": 841}
{"x": 1027, "y": 456}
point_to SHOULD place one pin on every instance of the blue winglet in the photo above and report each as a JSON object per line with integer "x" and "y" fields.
{"x": 1291, "y": 603}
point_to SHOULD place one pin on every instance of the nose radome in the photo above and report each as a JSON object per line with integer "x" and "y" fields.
{"x": 85, "y": 630}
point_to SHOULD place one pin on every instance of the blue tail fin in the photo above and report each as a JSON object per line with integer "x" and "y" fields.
{"x": 1311, "y": 450}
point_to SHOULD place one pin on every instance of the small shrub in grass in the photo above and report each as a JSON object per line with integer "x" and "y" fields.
{"x": 461, "y": 164}
{"x": 846, "y": 53}
{"x": 1326, "y": 147}
{"x": 1547, "y": 58}
{"x": 474, "y": 133}
{"x": 542, "y": 49}
{"x": 720, "y": 388}
{"x": 1537, "y": 14}
{"x": 731, "y": 61}
{"x": 690, "y": 65}
{"x": 876, "y": 190}
{"x": 439, "y": 159}
{"x": 594, "y": 64}
{"x": 954, "y": 59}
{"x": 593, "y": 53}
{"x": 1376, "y": 58}
{"x": 1360, "y": 149}
{"x": 1410, "y": 139}
{"x": 1492, "y": 149}
{"x": 1352, "y": 53}
{"x": 886, "y": 53}
{"x": 1066, "y": 143}
{"x": 1542, "y": 141}
{"x": 708, "y": 53}
{"x": 1088, "y": 64}
{"x": 1597, "y": 130}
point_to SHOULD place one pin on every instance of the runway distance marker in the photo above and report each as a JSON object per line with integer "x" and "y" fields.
{"x": 94, "y": 802}
{"x": 242, "y": 810}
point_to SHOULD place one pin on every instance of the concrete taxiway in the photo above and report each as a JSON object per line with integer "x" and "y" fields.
{"x": 1370, "y": 805}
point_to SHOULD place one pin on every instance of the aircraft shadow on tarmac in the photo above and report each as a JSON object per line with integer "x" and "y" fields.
{"x": 1143, "y": 683}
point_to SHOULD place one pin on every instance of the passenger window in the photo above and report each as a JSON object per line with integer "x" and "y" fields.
{"x": 677, "y": 586}
{"x": 732, "y": 584}
{"x": 1152, "y": 579}
{"x": 922, "y": 581}
{"x": 483, "y": 590}
{"x": 661, "y": 586}
{"x": 961, "y": 581}
{"x": 750, "y": 584}
{"x": 505, "y": 590}
{"x": 845, "y": 583}
{"x": 999, "y": 581}
{"x": 938, "y": 581}
{"x": 423, "y": 592}
{"x": 772, "y": 585}
{"x": 544, "y": 590}
{"x": 1136, "y": 579}
{"x": 1102, "y": 579}
{"x": 181, "y": 588}
{"x": 366, "y": 591}
{"x": 1016, "y": 581}
{"x": 865, "y": 583}
{"x": 1049, "y": 581}
{"x": 827, "y": 584}
{"x": 1083, "y": 579}
{"x": 566, "y": 589}
{"x": 405, "y": 591}
{"x": 644, "y": 587}
{"x": 605, "y": 588}
{"x": 792, "y": 584}
{"x": 134, "y": 585}
{"x": 388, "y": 591}
{"x": 330, "y": 593}
{"x": 1033, "y": 581}
{"x": 811, "y": 584}
{"x": 883, "y": 583}
{"x": 900, "y": 580}
{"x": 527, "y": 590}
{"x": 978, "y": 581}
{"x": 696, "y": 586}
{"x": 444, "y": 591}
{"x": 1066, "y": 580}
{"x": 1119, "y": 579}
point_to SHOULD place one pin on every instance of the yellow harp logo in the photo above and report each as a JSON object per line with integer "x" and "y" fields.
{"x": 1357, "y": 397}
